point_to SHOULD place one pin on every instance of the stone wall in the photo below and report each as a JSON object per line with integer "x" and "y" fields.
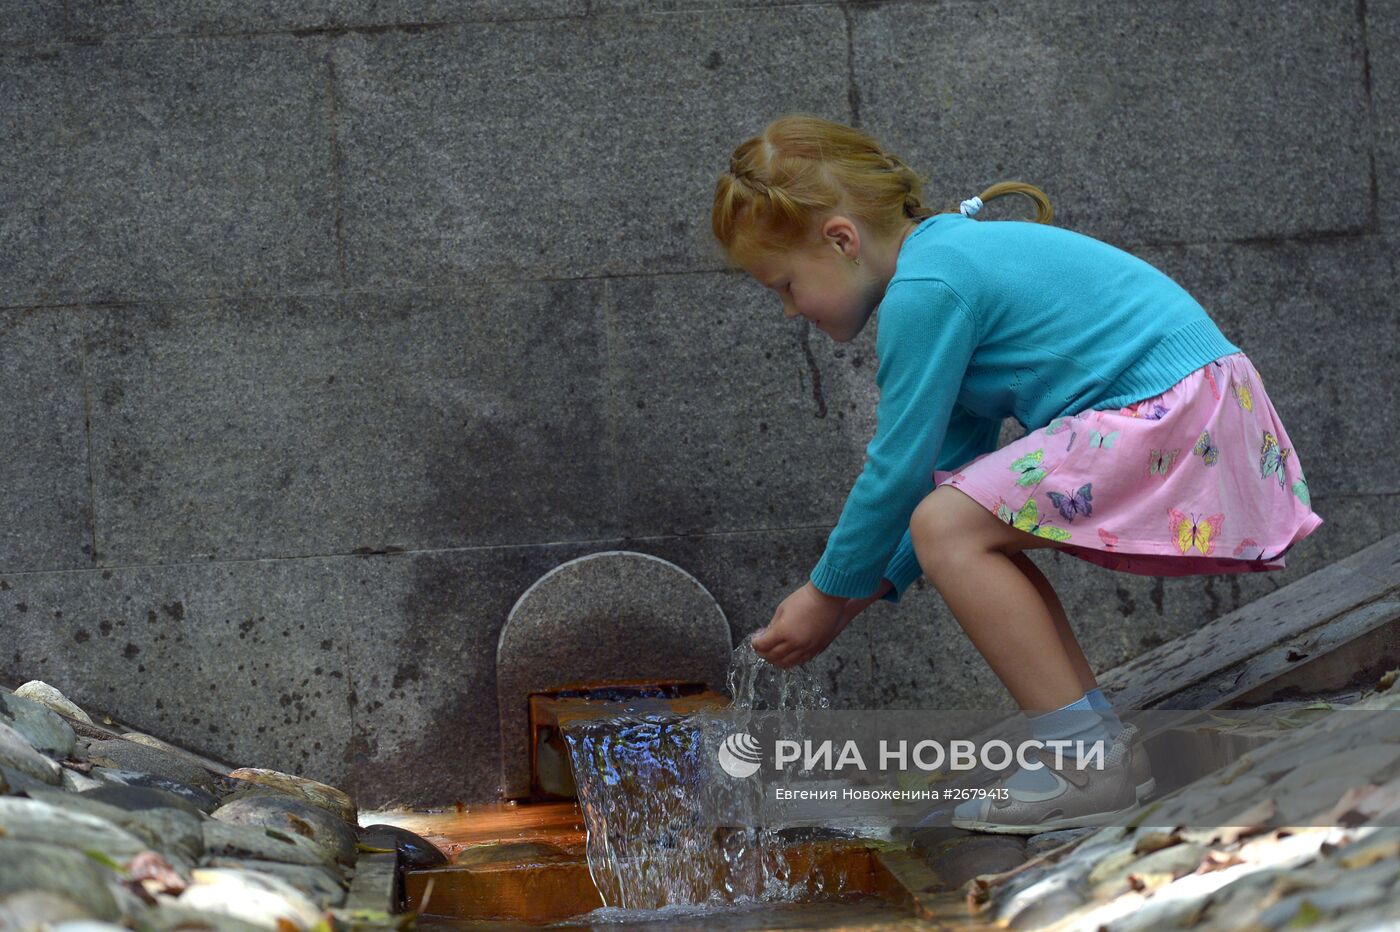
{"x": 324, "y": 334}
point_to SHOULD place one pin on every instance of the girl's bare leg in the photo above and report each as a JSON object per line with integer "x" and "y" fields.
{"x": 1057, "y": 612}
{"x": 966, "y": 552}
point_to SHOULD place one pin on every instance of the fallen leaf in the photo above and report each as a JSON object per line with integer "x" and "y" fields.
{"x": 1218, "y": 861}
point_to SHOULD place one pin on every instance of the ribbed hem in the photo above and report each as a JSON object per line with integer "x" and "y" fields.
{"x": 1174, "y": 357}
{"x": 832, "y": 581}
{"x": 904, "y": 568}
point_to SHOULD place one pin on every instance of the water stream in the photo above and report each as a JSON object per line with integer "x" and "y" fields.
{"x": 652, "y": 794}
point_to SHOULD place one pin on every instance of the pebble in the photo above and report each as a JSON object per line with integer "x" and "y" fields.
{"x": 37, "y": 909}
{"x": 323, "y": 887}
{"x": 253, "y": 897}
{"x": 44, "y": 694}
{"x": 18, "y": 755}
{"x": 294, "y": 815}
{"x": 36, "y": 821}
{"x": 44, "y": 729}
{"x": 170, "y": 832}
{"x": 34, "y": 866}
{"x": 263, "y": 844}
{"x": 129, "y": 797}
{"x": 199, "y": 798}
{"x": 334, "y": 801}
{"x": 119, "y": 754}
{"x": 416, "y": 851}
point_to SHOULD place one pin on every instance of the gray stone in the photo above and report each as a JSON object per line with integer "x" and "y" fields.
{"x": 323, "y": 886}
{"x": 28, "y": 866}
{"x": 170, "y": 832}
{"x": 454, "y": 103}
{"x": 254, "y": 897}
{"x": 43, "y": 728}
{"x": 775, "y": 442}
{"x": 327, "y": 424}
{"x": 263, "y": 844}
{"x": 35, "y": 909}
{"x": 257, "y": 781}
{"x": 1128, "y": 80}
{"x": 18, "y": 756}
{"x": 46, "y": 695}
{"x": 33, "y": 21}
{"x": 327, "y": 832}
{"x": 611, "y": 616}
{"x": 130, "y": 756}
{"x": 44, "y": 481}
{"x": 172, "y": 916}
{"x": 1382, "y": 27}
{"x": 1039, "y": 844}
{"x": 150, "y": 18}
{"x": 37, "y": 821}
{"x": 224, "y": 140}
{"x": 137, "y": 798}
{"x": 134, "y": 779}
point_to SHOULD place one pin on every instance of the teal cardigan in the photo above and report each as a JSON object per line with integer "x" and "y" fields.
{"x": 985, "y": 320}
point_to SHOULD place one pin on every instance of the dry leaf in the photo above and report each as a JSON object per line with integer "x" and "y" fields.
{"x": 1218, "y": 861}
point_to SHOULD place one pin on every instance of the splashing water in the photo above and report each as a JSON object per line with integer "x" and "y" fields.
{"x": 652, "y": 794}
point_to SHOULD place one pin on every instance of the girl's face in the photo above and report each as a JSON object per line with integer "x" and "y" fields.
{"x": 822, "y": 284}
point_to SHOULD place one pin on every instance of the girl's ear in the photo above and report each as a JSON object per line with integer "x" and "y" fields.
{"x": 843, "y": 233}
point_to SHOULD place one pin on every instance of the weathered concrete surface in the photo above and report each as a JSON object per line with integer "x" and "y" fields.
{"x": 281, "y": 286}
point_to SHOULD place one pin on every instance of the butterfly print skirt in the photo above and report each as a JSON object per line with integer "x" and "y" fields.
{"x": 1199, "y": 479}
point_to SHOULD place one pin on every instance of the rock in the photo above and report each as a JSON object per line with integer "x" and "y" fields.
{"x": 37, "y": 821}
{"x": 190, "y": 757}
{"x": 143, "y": 797}
{"x": 27, "y": 867}
{"x": 170, "y": 832}
{"x": 255, "y": 898}
{"x": 37, "y": 909}
{"x": 510, "y": 851}
{"x": 262, "y": 844}
{"x": 17, "y": 754}
{"x": 119, "y": 754}
{"x": 200, "y": 799}
{"x": 86, "y": 925}
{"x": 321, "y": 885}
{"x": 294, "y": 815}
{"x": 44, "y": 694}
{"x": 1039, "y": 844}
{"x": 42, "y": 728}
{"x": 17, "y": 782}
{"x": 327, "y": 797}
{"x": 1161, "y": 867}
{"x": 958, "y": 860}
{"x": 1306, "y": 908}
{"x": 415, "y": 851}
{"x": 171, "y": 916}
{"x": 75, "y": 782}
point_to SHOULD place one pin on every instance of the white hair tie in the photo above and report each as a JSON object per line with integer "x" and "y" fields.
{"x": 971, "y": 206}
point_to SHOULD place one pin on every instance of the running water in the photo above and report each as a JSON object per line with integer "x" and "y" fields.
{"x": 652, "y": 792}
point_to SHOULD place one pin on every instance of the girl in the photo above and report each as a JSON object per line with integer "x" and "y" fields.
{"x": 1150, "y": 445}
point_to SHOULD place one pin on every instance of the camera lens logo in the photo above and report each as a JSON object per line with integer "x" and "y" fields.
{"x": 739, "y": 755}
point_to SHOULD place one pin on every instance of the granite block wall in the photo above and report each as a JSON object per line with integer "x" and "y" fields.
{"x": 327, "y": 328}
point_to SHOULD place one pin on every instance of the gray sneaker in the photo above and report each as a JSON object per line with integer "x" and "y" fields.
{"x": 1143, "y": 781}
{"x": 1081, "y": 797}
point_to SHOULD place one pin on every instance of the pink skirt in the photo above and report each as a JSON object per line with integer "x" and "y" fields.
{"x": 1199, "y": 479}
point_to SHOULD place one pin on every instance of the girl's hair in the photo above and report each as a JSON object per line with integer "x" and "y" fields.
{"x": 802, "y": 168}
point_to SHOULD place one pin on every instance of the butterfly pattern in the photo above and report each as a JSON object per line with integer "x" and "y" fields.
{"x": 1206, "y": 450}
{"x": 1159, "y": 463}
{"x": 1271, "y": 458}
{"x": 1071, "y": 504}
{"x": 1029, "y": 469}
{"x": 1028, "y": 519}
{"x": 1192, "y": 532}
{"x": 1212, "y": 432}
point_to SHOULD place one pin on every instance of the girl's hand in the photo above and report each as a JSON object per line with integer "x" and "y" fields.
{"x": 806, "y": 623}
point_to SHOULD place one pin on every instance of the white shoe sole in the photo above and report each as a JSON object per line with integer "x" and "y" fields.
{"x": 1051, "y": 825}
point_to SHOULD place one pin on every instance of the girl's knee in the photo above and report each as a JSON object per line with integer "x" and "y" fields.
{"x": 946, "y": 527}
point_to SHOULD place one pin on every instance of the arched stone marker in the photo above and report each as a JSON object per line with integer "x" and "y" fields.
{"x": 604, "y": 618}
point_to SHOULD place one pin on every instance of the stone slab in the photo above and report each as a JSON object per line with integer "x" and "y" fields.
{"x": 1129, "y": 115}
{"x": 44, "y": 488}
{"x": 37, "y": 163}
{"x": 32, "y": 21}
{"x": 1383, "y": 61}
{"x": 148, "y": 18}
{"x": 198, "y": 166}
{"x": 564, "y": 147}
{"x": 1318, "y": 319}
{"x": 758, "y": 422}
{"x": 312, "y": 425}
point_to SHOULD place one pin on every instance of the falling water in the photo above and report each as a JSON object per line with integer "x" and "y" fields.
{"x": 650, "y": 787}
